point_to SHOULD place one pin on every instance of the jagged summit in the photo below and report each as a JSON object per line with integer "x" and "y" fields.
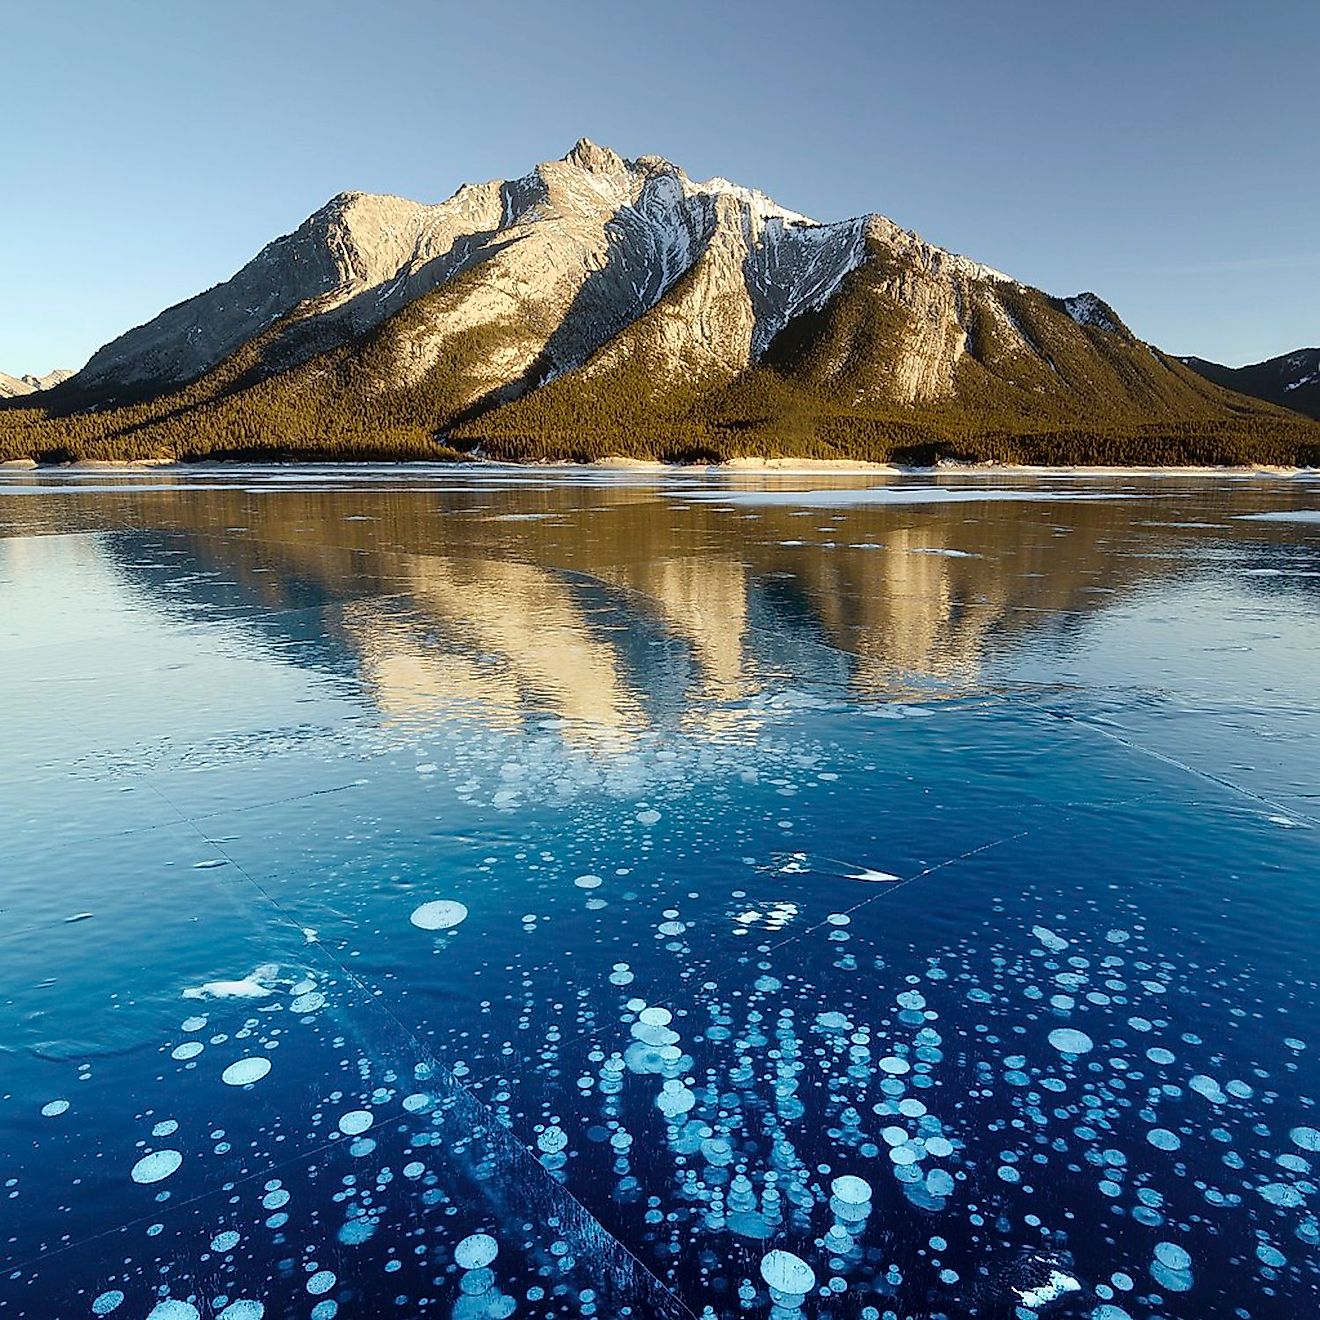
{"x": 597, "y": 294}
{"x": 586, "y": 155}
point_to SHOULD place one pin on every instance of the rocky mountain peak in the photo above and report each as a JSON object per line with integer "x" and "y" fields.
{"x": 587, "y": 155}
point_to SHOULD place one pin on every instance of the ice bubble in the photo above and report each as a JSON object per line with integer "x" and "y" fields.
{"x": 476, "y": 1252}
{"x": 655, "y": 1017}
{"x": 308, "y": 1003}
{"x": 1068, "y": 1040}
{"x": 1307, "y": 1138}
{"x": 552, "y": 1140}
{"x": 1163, "y": 1139}
{"x": 674, "y": 1099}
{"x": 245, "y": 1071}
{"x": 787, "y": 1273}
{"x": 54, "y": 1108}
{"x": 225, "y": 1242}
{"x": 156, "y": 1167}
{"x": 357, "y": 1231}
{"x": 1171, "y": 1268}
{"x": 108, "y": 1301}
{"x": 190, "y": 1049}
{"x": 321, "y": 1282}
{"x": 851, "y": 1190}
{"x": 939, "y": 1183}
{"x": 1282, "y": 1195}
{"x": 648, "y": 817}
{"x": 588, "y": 882}
{"x": 1172, "y": 1256}
{"x": 192, "y": 1024}
{"x": 355, "y": 1122}
{"x": 1054, "y": 943}
{"x": 441, "y": 914}
{"x": 243, "y": 1309}
{"x": 1209, "y": 1088}
{"x": 174, "y": 1310}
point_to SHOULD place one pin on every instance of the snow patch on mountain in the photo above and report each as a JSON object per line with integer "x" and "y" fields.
{"x": 1087, "y": 309}
{"x": 792, "y": 268}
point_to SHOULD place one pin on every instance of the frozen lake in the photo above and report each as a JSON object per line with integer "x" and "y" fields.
{"x": 522, "y": 892}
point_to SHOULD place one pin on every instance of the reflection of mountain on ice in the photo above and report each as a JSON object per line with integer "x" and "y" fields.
{"x": 515, "y": 637}
{"x": 618, "y": 605}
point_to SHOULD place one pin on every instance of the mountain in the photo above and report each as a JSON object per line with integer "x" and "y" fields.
{"x": 12, "y": 387}
{"x": 607, "y": 306}
{"x": 1291, "y": 381}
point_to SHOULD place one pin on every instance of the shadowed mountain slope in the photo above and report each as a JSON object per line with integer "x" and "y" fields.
{"x": 1291, "y": 380}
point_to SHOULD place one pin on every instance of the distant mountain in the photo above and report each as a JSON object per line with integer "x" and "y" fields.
{"x": 12, "y": 387}
{"x": 599, "y": 305}
{"x": 1291, "y": 381}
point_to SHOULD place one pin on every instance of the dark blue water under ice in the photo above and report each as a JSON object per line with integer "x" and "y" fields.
{"x": 542, "y": 893}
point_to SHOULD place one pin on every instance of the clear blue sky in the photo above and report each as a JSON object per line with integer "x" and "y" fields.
{"x": 1163, "y": 153}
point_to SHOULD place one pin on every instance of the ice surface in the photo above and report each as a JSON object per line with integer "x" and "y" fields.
{"x": 897, "y": 495}
{"x": 1283, "y": 515}
{"x": 916, "y": 931}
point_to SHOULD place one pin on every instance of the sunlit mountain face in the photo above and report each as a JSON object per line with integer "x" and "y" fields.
{"x": 601, "y": 306}
{"x": 491, "y": 892}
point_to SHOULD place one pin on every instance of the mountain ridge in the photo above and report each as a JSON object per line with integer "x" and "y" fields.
{"x": 600, "y": 305}
{"x": 1291, "y": 380}
{"x": 13, "y": 387}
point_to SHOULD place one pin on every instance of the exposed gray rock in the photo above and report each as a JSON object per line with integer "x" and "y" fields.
{"x": 12, "y": 387}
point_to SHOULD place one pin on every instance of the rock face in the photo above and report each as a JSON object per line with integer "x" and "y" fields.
{"x": 1291, "y": 380}
{"x": 13, "y": 387}
{"x": 597, "y": 293}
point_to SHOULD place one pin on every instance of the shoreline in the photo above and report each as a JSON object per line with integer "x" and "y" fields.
{"x": 777, "y": 466}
